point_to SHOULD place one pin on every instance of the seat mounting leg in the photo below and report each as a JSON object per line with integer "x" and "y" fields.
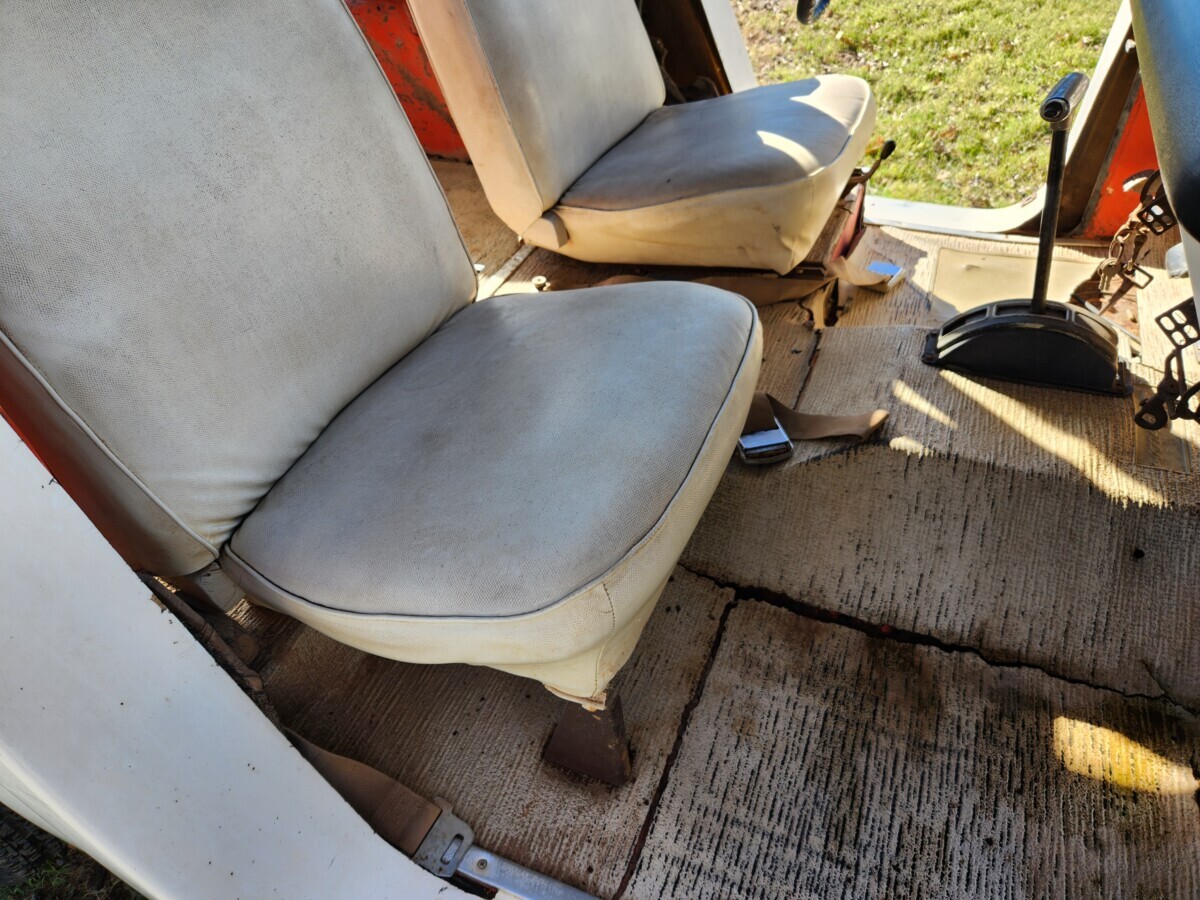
{"x": 591, "y": 743}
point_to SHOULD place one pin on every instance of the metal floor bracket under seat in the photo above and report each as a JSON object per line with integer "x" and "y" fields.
{"x": 592, "y": 743}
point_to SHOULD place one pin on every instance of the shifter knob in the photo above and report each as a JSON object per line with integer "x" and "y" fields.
{"x": 1063, "y": 101}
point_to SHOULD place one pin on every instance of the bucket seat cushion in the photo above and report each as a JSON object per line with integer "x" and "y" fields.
{"x": 564, "y": 97}
{"x": 749, "y": 178}
{"x": 523, "y": 482}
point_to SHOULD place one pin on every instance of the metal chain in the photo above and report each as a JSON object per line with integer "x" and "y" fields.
{"x": 1124, "y": 252}
{"x": 1152, "y": 216}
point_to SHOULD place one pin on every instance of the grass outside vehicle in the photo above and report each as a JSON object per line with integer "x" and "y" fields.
{"x": 77, "y": 877}
{"x": 958, "y": 81}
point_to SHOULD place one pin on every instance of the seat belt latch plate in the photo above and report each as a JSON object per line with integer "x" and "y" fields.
{"x": 763, "y": 448}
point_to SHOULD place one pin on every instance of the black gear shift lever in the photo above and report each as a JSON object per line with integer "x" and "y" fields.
{"x": 1036, "y": 341}
{"x": 1058, "y": 109}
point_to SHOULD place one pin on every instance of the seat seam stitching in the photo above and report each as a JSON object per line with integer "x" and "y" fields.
{"x": 813, "y": 176}
{"x": 612, "y": 632}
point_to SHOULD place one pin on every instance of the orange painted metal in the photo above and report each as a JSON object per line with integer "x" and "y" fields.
{"x": 17, "y": 431}
{"x": 1135, "y": 152}
{"x": 389, "y": 30}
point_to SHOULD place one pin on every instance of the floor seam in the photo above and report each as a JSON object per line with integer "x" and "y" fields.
{"x": 488, "y": 285}
{"x": 685, "y": 720}
{"x": 810, "y": 364}
{"x": 905, "y": 636}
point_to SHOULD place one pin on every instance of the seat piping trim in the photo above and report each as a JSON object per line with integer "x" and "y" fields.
{"x": 101, "y": 446}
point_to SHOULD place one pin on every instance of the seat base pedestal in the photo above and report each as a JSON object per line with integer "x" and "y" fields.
{"x": 591, "y": 743}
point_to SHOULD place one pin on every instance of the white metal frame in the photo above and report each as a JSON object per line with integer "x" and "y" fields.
{"x": 731, "y": 45}
{"x": 119, "y": 733}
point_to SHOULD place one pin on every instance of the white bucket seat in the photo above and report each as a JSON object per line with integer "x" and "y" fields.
{"x": 560, "y": 104}
{"x": 236, "y": 323}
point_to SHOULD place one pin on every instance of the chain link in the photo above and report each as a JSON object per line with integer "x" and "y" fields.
{"x": 1124, "y": 254}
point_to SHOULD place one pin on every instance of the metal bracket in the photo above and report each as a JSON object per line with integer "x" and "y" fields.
{"x": 447, "y": 843}
{"x": 862, "y": 176}
{"x": 1155, "y": 211}
{"x": 449, "y": 851}
{"x": 591, "y": 743}
{"x": 513, "y": 880}
{"x": 1174, "y": 398}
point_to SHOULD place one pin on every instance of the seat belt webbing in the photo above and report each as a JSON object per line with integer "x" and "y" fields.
{"x": 398, "y": 815}
{"x": 765, "y": 410}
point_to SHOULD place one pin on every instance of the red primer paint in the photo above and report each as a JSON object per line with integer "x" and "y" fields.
{"x": 389, "y": 29}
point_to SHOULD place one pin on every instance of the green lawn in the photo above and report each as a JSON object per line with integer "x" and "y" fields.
{"x": 80, "y": 878}
{"x": 958, "y": 81}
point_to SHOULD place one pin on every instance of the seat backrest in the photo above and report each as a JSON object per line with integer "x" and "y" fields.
{"x": 539, "y": 89}
{"x": 216, "y": 229}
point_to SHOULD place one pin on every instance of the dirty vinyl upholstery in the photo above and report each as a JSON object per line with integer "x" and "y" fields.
{"x": 228, "y": 274}
{"x": 560, "y": 103}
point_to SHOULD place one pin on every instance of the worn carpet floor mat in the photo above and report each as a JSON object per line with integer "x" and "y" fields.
{"x": 918, "y": 301}
{"x": 821, "y": 762}
{"x": 489, "y": 241}
{"x": 474, "y": 736}
{"x": 1006, "y": 518}
{"x": 966, "y": 279}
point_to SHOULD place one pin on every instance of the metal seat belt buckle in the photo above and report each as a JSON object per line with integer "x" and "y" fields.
{"x": 764, "y": 448}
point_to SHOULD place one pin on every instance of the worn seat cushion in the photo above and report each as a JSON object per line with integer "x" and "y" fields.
{"x": 746, "y": 179}
{"x": 518, "y": 485}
